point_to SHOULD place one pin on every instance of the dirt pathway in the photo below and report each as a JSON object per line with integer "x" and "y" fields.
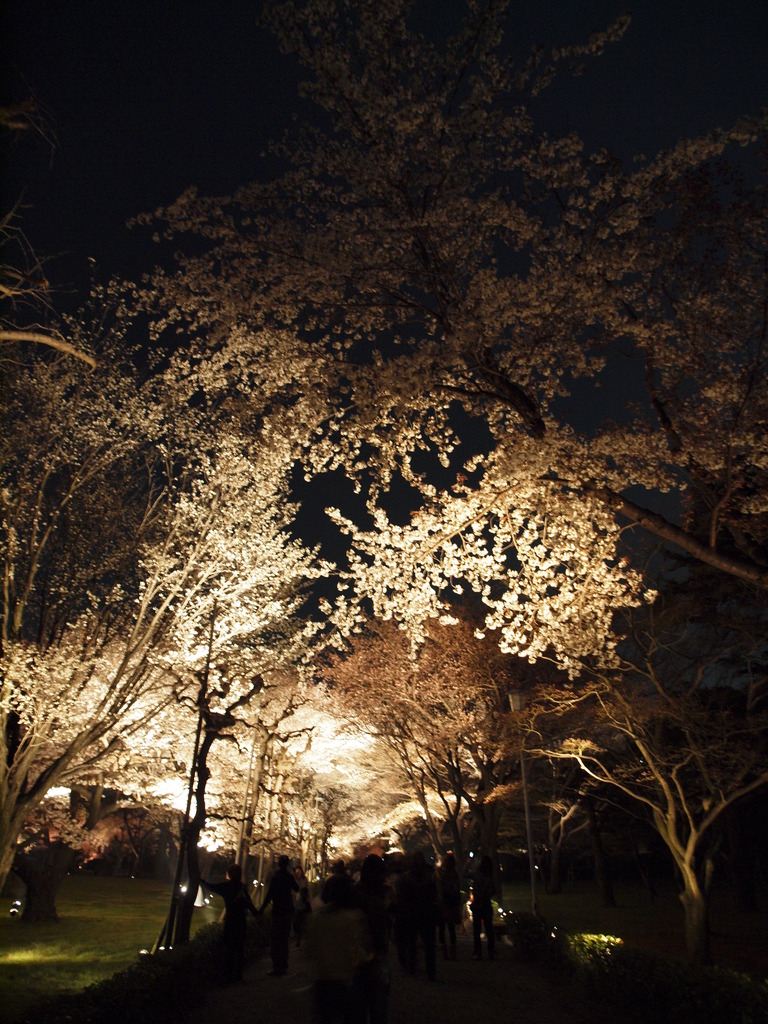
{"x": 500, "y": 992}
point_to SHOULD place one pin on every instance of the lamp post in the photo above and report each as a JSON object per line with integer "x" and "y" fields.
{"x": 516, "y": 703}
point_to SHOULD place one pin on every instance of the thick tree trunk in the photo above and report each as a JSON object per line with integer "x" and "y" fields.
{"x": 487, "y": 818}
{"x": 12, "y": 814}
{"x": 7, "y": 853}
{"x": 695, "y": 905}
{"x": 741, "y": 859}
{"x": 195, "y": 827}
{"x": 42, "y": 873}
{"x": 602, "y": 872}
{"x": 554, "y": 873}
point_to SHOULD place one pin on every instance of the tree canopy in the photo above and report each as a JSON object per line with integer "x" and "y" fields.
{"x": 427, "y": 300}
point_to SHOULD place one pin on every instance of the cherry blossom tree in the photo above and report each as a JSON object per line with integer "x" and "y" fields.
{"x": 132, "y": 839}
{"x": 76, "y": 826}
{"x": 432, "y": 293}
{"x": 69, "y": 443}
{"x": 47, "y": 841}
{"x": 442, "y": 711}
{"x": 236, "y": 706}
{"x": 477, "y": 280}
{"x": 508, "y": 265}
{"x": 221, "y": 703}
{"x": 678, "y": 726}
{"x": 457, "y": 274}
{"x": 353, "y": 791}
{"x": 130, "y": 508}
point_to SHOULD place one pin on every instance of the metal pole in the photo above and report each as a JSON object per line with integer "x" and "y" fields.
{"x": 516, "y": 703}
{"x": 529, "y": 832}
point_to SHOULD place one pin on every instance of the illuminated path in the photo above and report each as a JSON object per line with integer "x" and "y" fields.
{"x": 503, "y": 991}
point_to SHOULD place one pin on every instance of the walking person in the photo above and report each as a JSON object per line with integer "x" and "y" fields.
{"x": 483, "y": 889}
{"x": 419, "y": 908}
{"x": 397, "y": 866}
{"x": 449, "y": 899}
{"x": 282, "y": 886}
{"x": 237, "y": 903}
{"x": 338, "y": 875}
{"x": 302, "y": 904}
{"x": 338, "y": 944}
{"x": 373, "y": 896}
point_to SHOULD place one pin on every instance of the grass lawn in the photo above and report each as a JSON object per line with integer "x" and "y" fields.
{"x": 103, "y": 923}
{"x": 739, "y": 940}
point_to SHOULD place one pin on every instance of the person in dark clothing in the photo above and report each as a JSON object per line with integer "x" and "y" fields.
{"x": 282, "y": 886}
{"x": 418, "y": 905}
{"x": 397, "y": 867}
{"x": 302, "y": 904}
{"x": 482, "y": 909}
{"x": 450, "y": 899}
{"x": 338, "y": 944}
{"x": 338, "y": 874}
{"x": 373, "y": 896}
{"x": 237, "y": 903}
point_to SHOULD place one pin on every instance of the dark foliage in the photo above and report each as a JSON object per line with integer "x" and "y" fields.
{"x": 533, "y": 940}
{"x": 643, "y": 987}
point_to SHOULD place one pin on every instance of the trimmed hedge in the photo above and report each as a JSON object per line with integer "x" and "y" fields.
{"x": 154, "y": 990}
{"x": 639, "y": 986}
{"x": 648, "y": 988}
{"x": 534, "y": 941}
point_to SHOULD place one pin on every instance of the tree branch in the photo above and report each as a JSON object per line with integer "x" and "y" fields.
{"x": 661, "y": 527}
{"x": 51, "y": 340}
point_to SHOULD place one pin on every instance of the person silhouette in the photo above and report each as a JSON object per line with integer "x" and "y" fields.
{"x": 282, "y": 885}
{"x": 237, "y": 903}
{"x": 483, "y": 888}
{"x": 449, "y": 898}
{"x": 338, "y": 943}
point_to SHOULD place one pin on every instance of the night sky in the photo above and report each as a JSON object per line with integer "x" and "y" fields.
{"x": 147, "y": 99}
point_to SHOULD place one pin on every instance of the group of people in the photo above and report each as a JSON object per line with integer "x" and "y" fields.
{"x": 347, "y": 935}
{"x": 429, "y": 904}
{"x": 288, "y": 894}
{"x": 348, "y": 940}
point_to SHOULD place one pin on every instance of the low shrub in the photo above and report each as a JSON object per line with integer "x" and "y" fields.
{"x": 532, "y": 939}
{"x": 644, "y": 987}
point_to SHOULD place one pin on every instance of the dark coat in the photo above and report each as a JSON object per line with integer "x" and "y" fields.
{"x": 450, "y": 896}
{"x": 282, "y": 886}
{"x": 237, "y": 904}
